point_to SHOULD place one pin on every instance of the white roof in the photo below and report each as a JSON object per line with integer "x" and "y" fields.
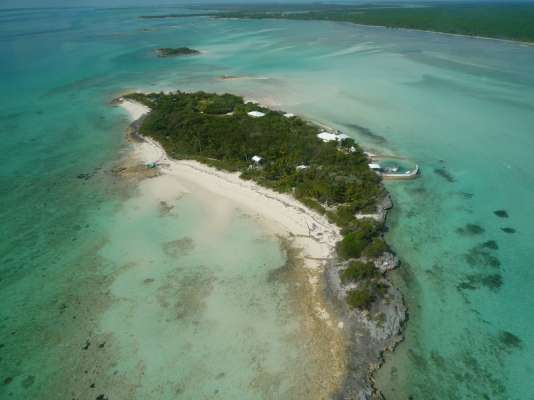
{"x": 374, "y": 166}
{"x": 257, "y": 158}
{"x": 289, "y": 115}
{"x": 330, "y": 137}
{"x": 302, "y": 166}
{"x": 256, "y": 114}
{"x": 327, "y": 136}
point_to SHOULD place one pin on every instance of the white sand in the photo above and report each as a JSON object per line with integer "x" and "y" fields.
{"x": 282, "y": 214}
{"x": 135, "y": 110}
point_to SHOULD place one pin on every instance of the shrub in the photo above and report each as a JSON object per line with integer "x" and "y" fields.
{"x": 360, "y": 298}
{"x": 376, "y": 248}
{"x": 351, "y": 246}
{"x": 311, "y": 203}
{"x": 357, "y": 271}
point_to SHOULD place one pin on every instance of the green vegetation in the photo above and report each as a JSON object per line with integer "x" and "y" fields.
{"x": 370, "y": 284}
{"x": 512, "y": 21}
{"x": 180, "y": 51}
{"x": 366, "y": 293}
{"x": 217, "y": 130}
{"x": 357, "y": 271}
{"x": 359, "y": 238}
{"x": 361, "y": 298}
{"x": 376, "y": 248}
{"x": 170, "y": 16}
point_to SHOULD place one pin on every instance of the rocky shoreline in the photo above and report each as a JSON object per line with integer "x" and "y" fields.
{"x": 369, "y": 333}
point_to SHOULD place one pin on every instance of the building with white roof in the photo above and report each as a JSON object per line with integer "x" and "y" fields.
{"x": 256, "y": 114}
{"x": 331, "y": 137}
{"x": 327, "y": 136}
{"x": 375, "y": 166}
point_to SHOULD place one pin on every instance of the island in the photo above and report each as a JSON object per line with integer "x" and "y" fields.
{"x": 174, "y": 52}
{"x": 326, "y": 197}
{"x": 511, "y": 21}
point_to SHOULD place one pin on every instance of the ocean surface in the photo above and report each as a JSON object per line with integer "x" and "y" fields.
{"x": 108, "y": 291}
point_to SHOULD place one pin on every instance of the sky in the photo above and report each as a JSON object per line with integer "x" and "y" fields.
{"x": 121, "y": 3}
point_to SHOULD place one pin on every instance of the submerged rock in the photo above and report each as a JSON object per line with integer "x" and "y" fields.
{"x": 508, "y": 230}
{"x": 26, "y": 383}
{"x": 179, "y": 51}
{"x": 501, "y": 213}
{"x": 367, "y": 132}
{"x": 479, "y": 256}
{"x": 510, "y": 340}
{"x": 470, "y": 229}
{"x": 179, "y": 247}
{"x": 444, "y": 174}
{"x": 476, "y": 281}
{"x": 491, "y": 244}
{"x": 466, "y": 195}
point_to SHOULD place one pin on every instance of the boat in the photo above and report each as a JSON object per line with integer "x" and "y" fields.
{"x": 412, "y": 174}
{"x": 394, "y": 173}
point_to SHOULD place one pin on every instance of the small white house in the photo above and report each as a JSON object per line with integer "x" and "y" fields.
{"x": 289, "y": 115}
{"x": 375, "y": 166}
{"x": 256, "y": 114}
{"x": 301, "y": 167}
{"x": 257, "y": 159}
{"x": 327, "y": 136}
{"x": 332, "y": 137}
{"x": 352, "y": 149}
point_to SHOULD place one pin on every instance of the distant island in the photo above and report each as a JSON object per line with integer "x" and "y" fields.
{"x": 175, "y": 52}
{"x": 514, "y": 21}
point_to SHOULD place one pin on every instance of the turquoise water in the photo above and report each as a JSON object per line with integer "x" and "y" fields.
{"x": 461, "y": 108}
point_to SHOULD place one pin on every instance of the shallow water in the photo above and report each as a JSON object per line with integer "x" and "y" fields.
{"x": 71, "y": 249}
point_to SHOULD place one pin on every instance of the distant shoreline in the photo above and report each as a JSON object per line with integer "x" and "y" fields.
{"x": 503, "y": 40}
{"x": 510, "y": 41}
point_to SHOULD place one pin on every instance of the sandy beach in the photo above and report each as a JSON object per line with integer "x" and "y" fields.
{"x": 281, "y": 214}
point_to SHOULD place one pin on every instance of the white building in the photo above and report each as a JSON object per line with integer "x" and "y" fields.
{"x": 301, "y": 167}
{"x": 331, "y": 137}
{"x": 257, "y": 159}
{"x": 375, "y": 167}
{"x": 256, "y": 114}
{"x": 327, "y": 136}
